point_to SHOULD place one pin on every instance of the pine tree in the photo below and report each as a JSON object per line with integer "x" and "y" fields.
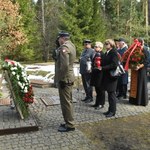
{"x": 30, "y": 49}
{"x": 125, "y": 18}
{"x": 98, "y": 26}
{"x": 83, "y": 19}
{"x": 51, "y": 11}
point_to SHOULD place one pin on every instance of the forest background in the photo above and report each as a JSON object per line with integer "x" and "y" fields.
{"x": 29, "y": 28}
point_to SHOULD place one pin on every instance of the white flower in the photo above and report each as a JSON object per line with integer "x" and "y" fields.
{"x": 19, "y": 65}
{"x": 28, "y": 78}
{"x": 14, "y": 68}
{"x": 25, "y": 89}
{"x": 23, "y": 84}
{"x": 20, "y": 84}
{"x": 23, "y": 74}
{"x": 13, "y": 73}
{"x": 15, "y": 63}
{"x": 17, "y": 77}
{"x": 9, "y": 63}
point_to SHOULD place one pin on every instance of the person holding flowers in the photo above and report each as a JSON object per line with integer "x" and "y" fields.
{"x": 96, "y": 76}
{"x": 136, "y": 58}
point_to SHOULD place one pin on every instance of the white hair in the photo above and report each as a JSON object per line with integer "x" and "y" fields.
{"x": 99, "y": 44}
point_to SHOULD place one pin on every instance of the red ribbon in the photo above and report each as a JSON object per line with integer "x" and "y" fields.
{"x": 9, "y": 60}
{"x": 133, "y": 47}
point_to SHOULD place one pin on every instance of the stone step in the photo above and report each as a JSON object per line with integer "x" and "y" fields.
{"x": 40, "y": 84}
{"x": 12, "y": 124}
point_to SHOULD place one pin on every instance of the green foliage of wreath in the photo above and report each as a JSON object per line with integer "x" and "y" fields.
{"x": 19, "y": 86}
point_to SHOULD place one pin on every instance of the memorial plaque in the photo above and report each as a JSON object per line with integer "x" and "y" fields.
{"x": 53, "y": 100}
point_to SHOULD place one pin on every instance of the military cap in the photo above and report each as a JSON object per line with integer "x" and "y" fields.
{"x": 116, "y": 40}
{"x": 87, "y": 41}
{"x": 63, "y": 34}
{"x": 121, "y": 40}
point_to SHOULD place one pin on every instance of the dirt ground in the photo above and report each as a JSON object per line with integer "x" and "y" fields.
{"x": 128, "y": 133}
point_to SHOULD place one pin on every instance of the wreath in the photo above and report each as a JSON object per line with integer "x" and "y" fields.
{"x": 133, "y": 56}
{"x": 19, "y": 85}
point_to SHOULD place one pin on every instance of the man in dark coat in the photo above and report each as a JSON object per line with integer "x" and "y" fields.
{"x": 85, "y": 70}
{"x": 123, "y": 79}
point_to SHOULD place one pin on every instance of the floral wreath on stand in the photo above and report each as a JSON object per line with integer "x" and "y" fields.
{"x": 133, "y": 56}
{"x": 20, "y": 85}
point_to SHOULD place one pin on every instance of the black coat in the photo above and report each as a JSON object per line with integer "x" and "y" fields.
{"x": 96, "y": 75}
{"x": 110, "y": 62}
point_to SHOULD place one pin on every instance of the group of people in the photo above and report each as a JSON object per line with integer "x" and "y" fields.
{"x": 99, "y": 76}
{"x": 95, "y": 67}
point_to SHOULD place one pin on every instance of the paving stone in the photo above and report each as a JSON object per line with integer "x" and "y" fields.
{"x": 49, "y": 119}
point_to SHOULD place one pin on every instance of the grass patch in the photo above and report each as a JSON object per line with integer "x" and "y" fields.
{"x": 128, "y": 133}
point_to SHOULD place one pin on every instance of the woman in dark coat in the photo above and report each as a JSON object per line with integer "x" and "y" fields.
{"x": 110, "y": 62}
{"x": 96, "y": 76}
{"x": 141, "y": 97}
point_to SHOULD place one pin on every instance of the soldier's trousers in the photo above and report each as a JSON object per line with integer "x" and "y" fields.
{"x": 66, "y": 102}
{"x": 86, "y": 79}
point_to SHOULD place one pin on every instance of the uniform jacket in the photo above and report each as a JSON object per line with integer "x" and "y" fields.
{"x": 65, "y": 59}
{"x": 122, "y": 50}
{"x": 124, "y": 78}
{"x": 110, "y": 62}
{"x": 87, "y": 53}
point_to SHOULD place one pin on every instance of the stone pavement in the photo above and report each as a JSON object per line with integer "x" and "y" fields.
{"x": 49, "y": 118}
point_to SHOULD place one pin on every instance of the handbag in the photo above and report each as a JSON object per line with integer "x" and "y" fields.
{"x": 118, "y": 71}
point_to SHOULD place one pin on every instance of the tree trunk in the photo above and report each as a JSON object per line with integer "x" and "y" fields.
{"x": 43, "y": 32}
{"x": 149, "y": 12}
{"x": 118, "y": 10}
{"x": 146, "y": 19}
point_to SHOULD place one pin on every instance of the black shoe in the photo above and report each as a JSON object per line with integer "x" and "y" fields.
{"x": 110, "y": 115}
{"x": 62, "y": 125}
{"x": 65, "y": 129}
{"x": 94, "y": 105}
{"x": 119, "y": 96}
{"x": 89, "y": 100}
{"x": 124, "y": 97}
{"x": 106, "y": 113}
{"x": 84, "y": 99}
{"x": 99, "y": 107}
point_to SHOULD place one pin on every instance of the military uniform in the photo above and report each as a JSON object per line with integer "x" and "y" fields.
{"x": 54, "y": 56}
{"x": 65, "y": 76}
{"x": 87, "y": 54}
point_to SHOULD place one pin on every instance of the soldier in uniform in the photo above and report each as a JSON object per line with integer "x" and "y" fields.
{"x": 54, "y": 56}
{"x": 86, "y": 58}
{"x": 65, "y": 77}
